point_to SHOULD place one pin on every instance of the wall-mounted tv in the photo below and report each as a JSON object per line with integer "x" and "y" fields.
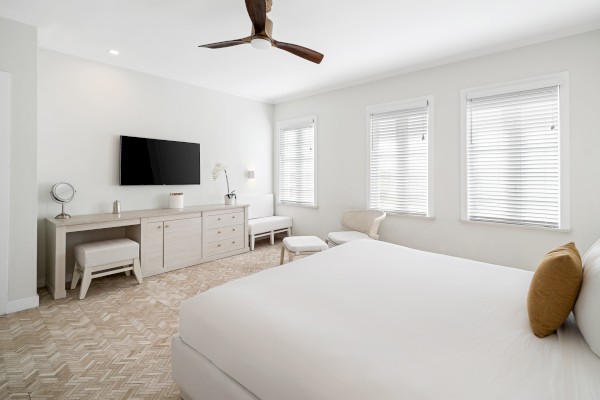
{"x": 159, "y": 162}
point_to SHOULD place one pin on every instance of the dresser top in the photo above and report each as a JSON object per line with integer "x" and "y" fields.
{"x": 137, "y": 214}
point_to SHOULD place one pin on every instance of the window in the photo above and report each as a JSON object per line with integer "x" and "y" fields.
{"x": 514, "y": 140}
{"x": 297, "y": 155}
{"x": 399, "y": 146}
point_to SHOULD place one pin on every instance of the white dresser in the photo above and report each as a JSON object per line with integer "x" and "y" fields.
{"x": 169, "y": 238}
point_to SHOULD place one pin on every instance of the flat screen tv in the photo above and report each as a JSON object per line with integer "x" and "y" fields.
{"x": 159, "y": 162}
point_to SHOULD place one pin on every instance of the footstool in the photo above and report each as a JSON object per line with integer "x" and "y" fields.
{"x": 301, "y": 246}
{"x": 96, "y": 259}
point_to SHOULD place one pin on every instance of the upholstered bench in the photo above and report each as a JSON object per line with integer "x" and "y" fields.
{"x": 261, "y": 221}
{"x": 96, "y": 259}
{"x": 301, "y": 246}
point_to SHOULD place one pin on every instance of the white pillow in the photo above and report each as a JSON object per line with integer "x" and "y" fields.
{"x": 587, "y": 307}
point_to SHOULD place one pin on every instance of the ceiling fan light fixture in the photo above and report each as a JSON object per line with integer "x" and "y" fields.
{"x": 261, "y": 43}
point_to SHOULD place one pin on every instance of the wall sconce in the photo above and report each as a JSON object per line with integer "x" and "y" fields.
{"x": 250, "y": 174}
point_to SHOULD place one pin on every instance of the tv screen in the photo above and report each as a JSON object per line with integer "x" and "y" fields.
{"x": 159, "y": 162}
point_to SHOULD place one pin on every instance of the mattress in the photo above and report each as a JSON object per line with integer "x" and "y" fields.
{"x": 372, "y": 320}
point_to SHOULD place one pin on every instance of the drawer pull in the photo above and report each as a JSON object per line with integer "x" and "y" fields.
{"x": 218, "y": 245}
{"x": 233, "y": 230}
{"x": 219, "y": 232}
{"x": 233, "y": 217}
{"x": 218, "y": 219}
{"x": 166, "y": 226}
{"x": 158, "y": 227}
{"x": 233, "y": 242}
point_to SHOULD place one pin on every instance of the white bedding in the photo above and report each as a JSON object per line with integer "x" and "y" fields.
{"x": 371, "y": 320}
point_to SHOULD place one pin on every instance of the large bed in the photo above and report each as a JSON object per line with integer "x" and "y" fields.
{"x": 372, "y": 320}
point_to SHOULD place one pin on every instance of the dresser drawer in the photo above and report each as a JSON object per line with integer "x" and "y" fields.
{"x": 224, "y": 246}
{"x": 225, "y": 232}
{"x": 220, "y": 220}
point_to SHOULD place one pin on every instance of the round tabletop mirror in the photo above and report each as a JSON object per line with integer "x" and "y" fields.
{"x": 62, "y": 193}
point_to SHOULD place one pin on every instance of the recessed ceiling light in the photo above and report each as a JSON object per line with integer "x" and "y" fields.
{"x": 113, "y": 52}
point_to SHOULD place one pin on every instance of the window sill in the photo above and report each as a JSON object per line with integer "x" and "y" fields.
{"x": 507, "y": 225}
{"x": 281, "y": 203}
{"x": 415, "y": 216}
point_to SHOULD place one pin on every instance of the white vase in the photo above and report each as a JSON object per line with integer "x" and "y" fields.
{"x": 230, "y": 202}
{"x": 176, "y": 200}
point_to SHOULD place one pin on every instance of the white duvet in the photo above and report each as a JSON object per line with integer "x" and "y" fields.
{"x": 372, "y": 320}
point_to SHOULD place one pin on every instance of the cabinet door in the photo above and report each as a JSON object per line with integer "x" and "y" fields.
{"x": 152, "y": 260}
{"x": 183, "y": 241}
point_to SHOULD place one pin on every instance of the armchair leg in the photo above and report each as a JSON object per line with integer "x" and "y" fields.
{"x": 272, "y": 238}
{"x": 252, "y": 239}
{"x": 282, "y": 255}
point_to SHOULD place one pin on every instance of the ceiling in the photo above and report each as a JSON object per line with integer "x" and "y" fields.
{"x": 360, "y": 39}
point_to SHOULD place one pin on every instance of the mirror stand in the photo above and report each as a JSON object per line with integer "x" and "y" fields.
{"x": 63, "y": 215}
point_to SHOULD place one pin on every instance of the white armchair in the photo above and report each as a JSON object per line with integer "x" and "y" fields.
{"x": 362, "y": 224}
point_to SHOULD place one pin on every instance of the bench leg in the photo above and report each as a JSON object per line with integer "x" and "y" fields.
{"x": 272, "y": 238}
{"x": 85, "y": 283}
{"x": 137, "y": 270}
{"x": 282, "y": 255}
{"x": 252, "y": 240}
{"x": 289, "y": 231}
{"x": 76, "y": 275}
{"x": 291, "y": 255}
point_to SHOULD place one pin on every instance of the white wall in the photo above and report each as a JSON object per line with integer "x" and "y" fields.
{"x": 18, "y": 57}
{"x": 342, "y": 154}
{"x": 83, "y": 108}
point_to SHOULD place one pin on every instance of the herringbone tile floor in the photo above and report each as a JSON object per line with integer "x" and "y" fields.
{"x": 114, "y": 344}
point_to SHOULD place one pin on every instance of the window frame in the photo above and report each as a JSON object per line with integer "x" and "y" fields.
{"x": 287, "y": 123}
{"x": 397, "y": 106}
{"x": 562, "y": 80}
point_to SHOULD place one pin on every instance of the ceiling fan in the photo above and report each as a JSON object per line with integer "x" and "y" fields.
{"x": 262, "y": 34}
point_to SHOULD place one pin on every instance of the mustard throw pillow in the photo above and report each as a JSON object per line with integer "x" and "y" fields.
{"x": 554, "y": 289}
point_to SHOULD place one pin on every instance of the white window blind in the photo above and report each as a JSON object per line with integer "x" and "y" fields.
{"x": 513, "y": 163}
{"x": 399, "y": 160}
{"x": 297, "y": 162}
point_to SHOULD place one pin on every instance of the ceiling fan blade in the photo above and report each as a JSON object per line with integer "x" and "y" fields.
{"x": 257, "y": 10}
{"x": 228, "y": 43}
{"x": 300, "y": 51}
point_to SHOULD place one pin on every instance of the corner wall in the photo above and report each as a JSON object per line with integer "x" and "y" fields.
{"x": 18, "y": 57}
{"x": 342, "y": 153}
{"x": 84, "y": 107}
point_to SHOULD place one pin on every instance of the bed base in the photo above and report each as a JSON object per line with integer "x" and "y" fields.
{"x": 199, "y": 379}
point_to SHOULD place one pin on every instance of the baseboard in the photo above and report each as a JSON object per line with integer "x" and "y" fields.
{"x": 41, "y": 282}
{"x": 22, "y": 304}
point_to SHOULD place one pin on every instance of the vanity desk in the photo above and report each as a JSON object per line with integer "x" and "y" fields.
{"x": 169, "y": 238}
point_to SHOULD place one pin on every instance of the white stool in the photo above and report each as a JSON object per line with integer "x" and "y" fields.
{"x": 301, "y": 246}
{"x": 93, "y": 260}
